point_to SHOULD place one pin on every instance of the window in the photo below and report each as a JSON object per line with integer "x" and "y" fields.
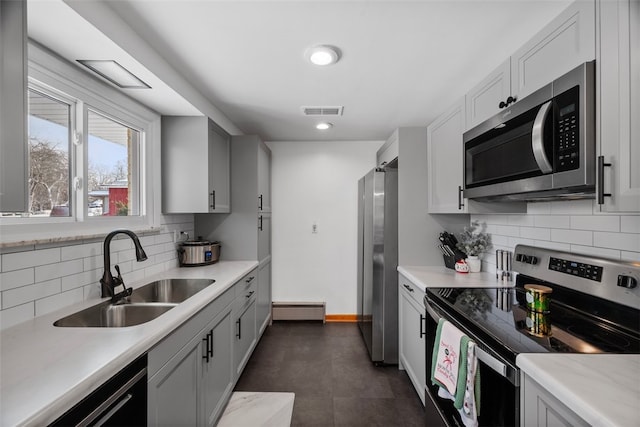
{"x": 49, "y": 139}
{"x": 112, "y": 177}
{"x": 93, "y": 157}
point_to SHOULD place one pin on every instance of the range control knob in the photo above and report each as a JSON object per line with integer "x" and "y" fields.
{"x": 533, "y": 260}
{"x": 628, "y": 282}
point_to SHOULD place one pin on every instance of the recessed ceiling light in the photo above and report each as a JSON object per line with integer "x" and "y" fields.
{"x": 323, "y": 55}
{"x": 115, "y": 73}
{"x": 324, "y": 126}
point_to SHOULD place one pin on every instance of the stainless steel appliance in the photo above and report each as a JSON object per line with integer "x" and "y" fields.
{"x": 198, "y": 252}
{"x": 542, "y": 147}
{"x": 121, "y": 401}
{"x": 594, "y": 307}
{"x": 377, "y": 311}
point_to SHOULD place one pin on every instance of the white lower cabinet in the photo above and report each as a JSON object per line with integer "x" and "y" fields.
{"x": 541, "y": 409}
{"x": 412, "y": 335}
{"x": 173, "y": 391}
{"x": 217, "y": 374}
{"x": 263, "y": 300}
{"x": 192, "y": 388}
{"x": 244, "y": 317}
{"x": 193, "y": 370}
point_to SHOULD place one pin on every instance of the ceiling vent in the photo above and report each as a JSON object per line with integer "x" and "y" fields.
{"x": 322, "y": 111}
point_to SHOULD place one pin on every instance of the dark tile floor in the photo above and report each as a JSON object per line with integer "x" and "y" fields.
{"x": 335, "y": 384}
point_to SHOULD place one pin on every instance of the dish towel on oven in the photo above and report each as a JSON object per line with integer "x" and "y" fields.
{"x": 454, "y": 370}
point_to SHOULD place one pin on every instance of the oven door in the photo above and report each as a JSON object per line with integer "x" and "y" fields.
{"x": 499, "y": 379}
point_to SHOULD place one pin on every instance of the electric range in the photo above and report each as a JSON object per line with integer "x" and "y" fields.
{"x": 591, "y": 305}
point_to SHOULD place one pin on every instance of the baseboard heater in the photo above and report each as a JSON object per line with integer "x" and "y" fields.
{"x": 298, "y": 311}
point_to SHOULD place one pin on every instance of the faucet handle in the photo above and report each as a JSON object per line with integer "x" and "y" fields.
{"x": 117, "y": 281}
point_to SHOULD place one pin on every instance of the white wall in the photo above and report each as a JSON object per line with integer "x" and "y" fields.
{"x": 39, "y": 279}
{"x": 317, "y": 182}
{"x": 570, "y": 226}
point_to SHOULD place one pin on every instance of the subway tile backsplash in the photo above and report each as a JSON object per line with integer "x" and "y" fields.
{"x": 38, "y": 279}
{"x": 571, "y": 226}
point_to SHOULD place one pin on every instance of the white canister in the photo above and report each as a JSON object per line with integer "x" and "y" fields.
{"x": 475, "y": 264}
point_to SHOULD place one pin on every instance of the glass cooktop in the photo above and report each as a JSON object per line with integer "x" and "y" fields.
{"x": 572, "y": 323}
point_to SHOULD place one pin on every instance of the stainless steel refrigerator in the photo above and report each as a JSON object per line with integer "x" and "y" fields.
{"x": 377, "y": 312}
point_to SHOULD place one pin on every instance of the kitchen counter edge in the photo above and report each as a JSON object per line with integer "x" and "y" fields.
{"x": 602, "y": 389}
{"x": 441, "y": 277}
{"x": 45, "y": 370}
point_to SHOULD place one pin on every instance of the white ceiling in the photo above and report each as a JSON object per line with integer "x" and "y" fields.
{"x": 403, "y": 62}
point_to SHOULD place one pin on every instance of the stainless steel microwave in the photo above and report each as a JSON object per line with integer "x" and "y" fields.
{"x": 540, "y": 148}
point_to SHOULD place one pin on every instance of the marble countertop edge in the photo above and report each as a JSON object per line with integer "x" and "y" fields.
{"x": 601, "y": 389}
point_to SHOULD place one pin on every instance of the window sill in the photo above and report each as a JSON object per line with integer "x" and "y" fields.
{"x": 71, "y": 239}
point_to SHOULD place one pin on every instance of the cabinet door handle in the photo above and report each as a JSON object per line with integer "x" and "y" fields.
{"x": 210, "y": 349}
{"x": 212, "y": 195}
{"x": 249, "y": 294}
{"x": 422, "y": 319}
{"x": 207, "y": 340}
{"x": 239, "y": 323}
{"x": 460, "y": 202}
{"x": 260, "y": 199}
{"x": 409, "y": 288}
{"x": 249, "y": 279}
{"x": 260, "y": 223}
{"x": 600, "y": 180}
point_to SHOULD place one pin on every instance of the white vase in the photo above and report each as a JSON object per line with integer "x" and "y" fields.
{"x": 475, "y": 265}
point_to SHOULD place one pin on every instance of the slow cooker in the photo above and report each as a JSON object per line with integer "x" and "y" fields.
{"x": 198, "y": 252}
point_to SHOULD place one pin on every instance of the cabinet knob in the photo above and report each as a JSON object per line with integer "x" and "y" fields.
{"x": 502, "y": 104}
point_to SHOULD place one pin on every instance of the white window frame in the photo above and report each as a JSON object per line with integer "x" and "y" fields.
{"x": 49, "y": 71}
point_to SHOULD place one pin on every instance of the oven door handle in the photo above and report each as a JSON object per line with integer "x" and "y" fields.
{"x": 537, "y": 138}
{"x": 493, "y": 363}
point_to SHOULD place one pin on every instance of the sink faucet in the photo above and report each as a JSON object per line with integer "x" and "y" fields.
{"x": 108, "y": 282}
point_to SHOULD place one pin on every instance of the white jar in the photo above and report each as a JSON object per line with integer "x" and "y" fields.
{"x": 475, "y": 264}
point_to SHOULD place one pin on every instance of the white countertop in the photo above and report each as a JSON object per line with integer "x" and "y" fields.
{"x": 443, "y": 277}
{"x": 45, "y": 370}
{"x": 603, "y": 389}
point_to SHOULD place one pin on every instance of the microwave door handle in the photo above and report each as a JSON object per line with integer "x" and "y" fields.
{"x": 537, "y": 139}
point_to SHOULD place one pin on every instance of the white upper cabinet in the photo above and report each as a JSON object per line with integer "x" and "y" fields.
{"x": 484, "y": 100}
{"x": 219, "y": 165}
{"x": 444, "y": 159}
{"x": 389, "y": 150}
{"x": 264, "y": 178}
{"x": 566, "y": 42}
{"x": 618, "y": 108}
{"x": 195, "y": 166}
{"x": 13, "y": 107}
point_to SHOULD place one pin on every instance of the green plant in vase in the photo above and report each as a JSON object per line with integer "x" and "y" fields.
{"x": 473, "y": 241}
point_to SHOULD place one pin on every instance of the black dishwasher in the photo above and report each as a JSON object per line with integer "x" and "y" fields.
{"x": 121, "y": 401}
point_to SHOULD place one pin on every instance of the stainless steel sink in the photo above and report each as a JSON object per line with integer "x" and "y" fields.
{"x": 108, "y": 315}
{"x": 145, "y": 303}
{"x": 169, "y": 290}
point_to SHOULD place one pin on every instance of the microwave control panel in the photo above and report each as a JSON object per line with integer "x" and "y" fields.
{"x": 567, "y": 130}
